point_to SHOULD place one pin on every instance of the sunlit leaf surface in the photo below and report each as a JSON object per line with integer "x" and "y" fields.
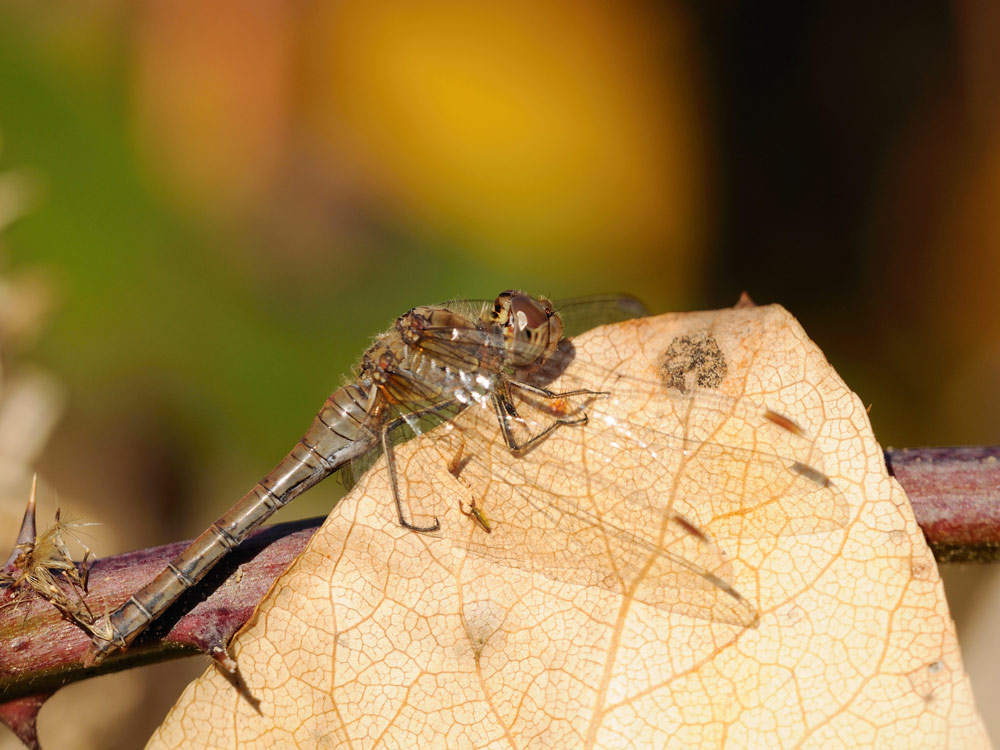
{"x": 683, "y": 570}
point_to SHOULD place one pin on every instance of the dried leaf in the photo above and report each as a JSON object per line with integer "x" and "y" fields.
{"x": 379, "y": 637}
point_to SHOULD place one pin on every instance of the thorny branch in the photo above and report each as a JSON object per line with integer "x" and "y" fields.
{"x": 955, "y": 493}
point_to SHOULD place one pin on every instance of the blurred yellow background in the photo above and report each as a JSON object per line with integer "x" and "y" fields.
{"x": 219, "y": 203}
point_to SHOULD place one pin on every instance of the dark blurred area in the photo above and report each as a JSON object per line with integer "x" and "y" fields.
{"x": 226, "y": 200}
{"x": 857, "y": 168}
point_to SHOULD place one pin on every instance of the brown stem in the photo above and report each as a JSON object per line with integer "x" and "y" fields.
{"x": 955, "y": 493}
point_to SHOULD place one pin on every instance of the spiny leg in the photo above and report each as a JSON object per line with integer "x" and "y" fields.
{"x": 390, "y": 459}
{"x": 505, "y": 410}
{"x": 538, "y": 390}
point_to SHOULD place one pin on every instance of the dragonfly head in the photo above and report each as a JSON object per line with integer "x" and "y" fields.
{"x": 531, "y": 327}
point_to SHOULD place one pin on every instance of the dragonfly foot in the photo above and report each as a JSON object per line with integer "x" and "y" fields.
{"x": 424, "y": 529}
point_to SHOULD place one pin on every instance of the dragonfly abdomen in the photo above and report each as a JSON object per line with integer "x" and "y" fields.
{"x": 337, "y": 435}
{"x": 434, "y": 361}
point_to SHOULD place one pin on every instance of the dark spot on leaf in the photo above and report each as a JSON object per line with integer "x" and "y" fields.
{"x": 693, "y": 360}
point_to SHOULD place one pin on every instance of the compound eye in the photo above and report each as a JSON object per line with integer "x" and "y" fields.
{"x": 532, "y": 329}
{"x": 528, "y": 314}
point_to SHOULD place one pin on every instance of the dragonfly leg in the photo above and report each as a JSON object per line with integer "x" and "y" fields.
{"x": 505, "y": 410}
{"x": 545, "y": 392}
{"x": 390, "y": 460}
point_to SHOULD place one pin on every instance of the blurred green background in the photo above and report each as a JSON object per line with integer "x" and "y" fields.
{"x": 228, "y": 199}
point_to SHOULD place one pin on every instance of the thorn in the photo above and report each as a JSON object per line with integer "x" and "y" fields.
{"x": 44, "y": 567}
{"x": 27, "y": 535}
{"x": 216, "y": 648}
{"x": 211, "y": 638}
{"x": 222, "y": 659}
{"x": 231, "y": 671}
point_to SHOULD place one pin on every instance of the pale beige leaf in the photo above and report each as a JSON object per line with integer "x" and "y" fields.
{"x": 566, "y": 627}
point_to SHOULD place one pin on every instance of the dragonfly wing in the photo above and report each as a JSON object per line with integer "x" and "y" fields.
{"x": 448, "y": 342}
{"x": 634, "y": 499}
{"x": 587, "y": 529}
{"x": 619, "y": 503}
{"x": 580, "y": 314}
{"x": 763, "y": 467}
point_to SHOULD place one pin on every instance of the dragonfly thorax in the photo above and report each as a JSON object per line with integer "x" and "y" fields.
{"x": 378, "y": 364}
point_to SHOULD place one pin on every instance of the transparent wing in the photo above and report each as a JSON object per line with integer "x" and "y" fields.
{"x": 761, "y": 464}
{"x": 783, "y": 487}
{"x": 580, "y": 314}
{"x": 588, "y": 528}
{"x": 453, "y": 345}
{"x": 411, "y": 420}
{"x": 623, "y": 503}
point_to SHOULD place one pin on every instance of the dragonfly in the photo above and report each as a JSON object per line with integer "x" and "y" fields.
{"x": 500, "y": 358}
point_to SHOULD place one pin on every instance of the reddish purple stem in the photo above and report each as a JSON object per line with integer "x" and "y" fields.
{"x": 955, "y": 494}
{"x": 41, "y": 651}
